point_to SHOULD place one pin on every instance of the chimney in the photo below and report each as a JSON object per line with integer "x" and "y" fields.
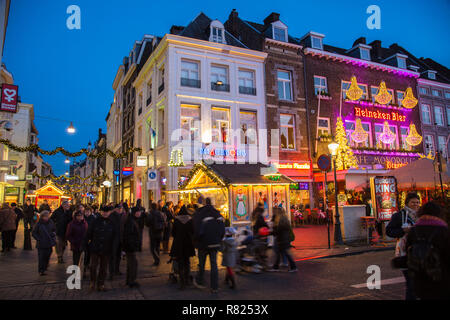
{"x": 271, "y": 18}
{"x": 361, "y": 40}
{"x": 376, "y": 48}
{"x": 176, "y": 30}
{"x": 233, "y": 15}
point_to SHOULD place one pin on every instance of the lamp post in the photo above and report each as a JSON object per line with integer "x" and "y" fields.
{"x": 332, "y": 147}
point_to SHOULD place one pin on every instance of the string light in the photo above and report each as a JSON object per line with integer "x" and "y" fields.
{"x": 354, "y": 92}
{"x": 383, "y": 96}
{"x": 387, "y": 136}
{"x": 409, "y": 101}
{"x": 359, "y": 135}
{"x": 413, "y": 138}
{"x": 344, "y": 155}
{"x": 176, "y": 158}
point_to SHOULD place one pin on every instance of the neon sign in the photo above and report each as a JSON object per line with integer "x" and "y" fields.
{"x": 223, "y": 152}
{"x": 366, "y": 113}
{"x": 392, "y": 165}
{"x": 294, "y": 165}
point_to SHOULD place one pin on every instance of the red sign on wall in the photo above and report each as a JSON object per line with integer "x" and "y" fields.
{"x": 384, "y": 196}
{"x": 9, "y": 98}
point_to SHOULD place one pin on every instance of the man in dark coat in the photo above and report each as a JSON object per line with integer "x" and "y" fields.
{"x": 156, "y": 222}
{"x": 130, "y": 242}
{"x": 99, "y": 240}
{"x": 114, "y": 262}
{"x": 183, "y": 244}
{"x": 168, "y": 211}
{"x": 209, "y": 229}
{"x": 7, "y": 226}
{"x": 44, "y": 206}
{"x": 141, "y": 220}
{"x": 29, "y": 215}
{"x": 61, "y": 217}
{"x": 19, "y": 216}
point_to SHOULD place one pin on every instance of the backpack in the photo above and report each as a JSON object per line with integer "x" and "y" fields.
{"x": 424, "y": 259}
{"x": 212, "y": 231}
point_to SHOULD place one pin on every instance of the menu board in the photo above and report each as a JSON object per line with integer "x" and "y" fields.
{"x": 384, "y": 196}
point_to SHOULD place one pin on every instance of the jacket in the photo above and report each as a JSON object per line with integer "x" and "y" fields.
{"x": 45, "y": 234}
{"x": 141, "y": 220}
{"x": 155, "y": 220}
{"x": 281, "y": 231}
{"x": 259, "y": 223}
{"x": 183, "y": 233}
{"x": 43, "y": 207}
{"x": 7, "y": 219}
{"x": 229, "y": 254}
{"x": 436, "y": 231}
{"x": 204, "y": 236}
{"x": 90, "y": 219}
{"x": 61, "y": 219}
{"x": 19, "y": 214}
{"x": 394, "y": 228}
{"x": 100, "y": 236}
{"x": 29, "y": 212}
{"x": 130, "y": 234}
{"x": 76, "y": 230}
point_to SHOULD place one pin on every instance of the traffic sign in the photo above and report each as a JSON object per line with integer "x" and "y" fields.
{"x": 152, "y": 174}
{"x": 324, "y": 162}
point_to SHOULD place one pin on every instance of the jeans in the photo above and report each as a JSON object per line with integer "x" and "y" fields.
{"x": 155, "y": 243}
{"x": 28, "y": 224}
{"x": 7, "y": 240}
{"x": 202, "y": 253}
{"x": 100, "y": 262}
{"x": 76, "y": 255}
{"x": 409, "y": 294}
{"x": 283, "y": 256}
{"x": 132, "y": 265}
{"x": 60, "y": 246}
{"x": 283, "y": 252}
{"x": 43, "y": 258}
{"x": 184, "y": 270}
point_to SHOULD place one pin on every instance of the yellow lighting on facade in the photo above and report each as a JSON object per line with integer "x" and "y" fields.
{"x": 413, "y": 138}
{"x": 354, "y": 92}
{"x": 383, "y": 96}
{"x": 409, "y": 101}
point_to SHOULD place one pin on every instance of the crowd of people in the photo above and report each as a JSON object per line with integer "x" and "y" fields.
{"x": 103, "y": 235}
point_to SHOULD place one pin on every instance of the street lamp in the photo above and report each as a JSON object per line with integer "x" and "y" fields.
{"x": 332, "y": 147}
{"x": 71, "y": 128}
{"x": 67, "y": 160}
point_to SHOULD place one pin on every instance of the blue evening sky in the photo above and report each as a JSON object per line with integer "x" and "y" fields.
{"x": 68, "y": 74}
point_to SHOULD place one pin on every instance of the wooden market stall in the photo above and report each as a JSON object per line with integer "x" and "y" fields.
{"x": 235, "y": 189}
{"x": 49, "y": 192}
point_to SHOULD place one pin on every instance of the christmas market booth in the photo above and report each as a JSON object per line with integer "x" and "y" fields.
{"x": 236, "y": 189}
{"x": 49, "y": 192}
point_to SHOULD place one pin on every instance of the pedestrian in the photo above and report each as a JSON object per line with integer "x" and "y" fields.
{"x": 178, "y": 207}
{"x": 29, "y": 215}
{"x": 282, "y": 232}
{"x": 284, "y": 260}
{"x": 44, "y": 232}
{"x": 183, "y": 245}
{"x": 141, "y": 220}
{"x": 61, "y": 217}
{"x": 167, "y": 209}
{"x": 398, "y": 227}
{"x": 130, "y": 242}
{"x": 258, "y": 223}
{"x": 7, "y": 227}
{"x": 428, "y": 254}
{"x": 209, "y": 229}
{"x": 76, "y": 231}
{"x": 19, "y": 216}
{"x": 99, "y": 241}
{"x": 44, "y": 206}
{"x": 114, "y": 262}
{"x": 156, "y": 222}
{"x": 229, "y": 256}
{"x": 89, "y": 217}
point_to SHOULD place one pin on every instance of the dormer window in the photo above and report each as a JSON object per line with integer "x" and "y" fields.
{"x": 316, "y": 43}
{"x": 279, "y": 31}
{"x": 401, "y": 62}
{"x": 431, "y": 75}
{"x": 217, "y": 32}
{"x": 364, "y": 53}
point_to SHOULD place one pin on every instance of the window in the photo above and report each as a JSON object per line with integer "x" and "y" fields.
{"x": 426, "y": 114}
{"x": 350, "y": 128}
{"x": 247, "y": 82}
{"x": 346, "y": 85}
{"x": 279, "y": 34}
{"x": 438, "y": 116}
{"x": 220, "y": 122}
{"x": 139, "y": 136}
{"x": 190, "y": 74}
{"x": 316, "y": 43}
{"x": 404, "y": 132}
{"x": 447, "y": 95}
{"x": 161, "y": 80}
{"x": 373, "y": 93}
{"x": 400, "y": 96}
{"x": 284, "y": 85}
{"x": 219, "y": 78}
{"x": 149, "y": 93}
{"x": 448, "y": 116}
{"x": 320, "y": 84}
{"x": 436, "y": 93}
{"x": 380, "y": 144}
{"x": 190, "y": 122}
{"x": 431, "y": 75}
{"x": 364, "y": 53}
{"x": 442, "y": 146}
{"x": 401, "y": 62}
{"x": 423, "y": 90}
{"x": 160, "y": 127}
{"x": 140, "y": 101}
{"x": 217, "y": 34}
{"x": 429, "y": 144}
{"x": 248, "y": 127}
{"x": 323, "y": 127}
{"x": 287, "y": 130}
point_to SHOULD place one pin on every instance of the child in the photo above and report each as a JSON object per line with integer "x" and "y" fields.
{"x": 45, "y": 234}
{"x": 229, "y": 256}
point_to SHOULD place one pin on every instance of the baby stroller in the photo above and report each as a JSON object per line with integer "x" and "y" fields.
{"x": 251, "y": 251}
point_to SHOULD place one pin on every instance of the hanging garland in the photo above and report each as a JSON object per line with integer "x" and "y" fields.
{"x": 89, "y": 154}
{"x": 55, "y": 178}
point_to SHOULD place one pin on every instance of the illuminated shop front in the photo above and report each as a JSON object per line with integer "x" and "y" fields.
{"x": 54, "y": 196}
{"x": 301, "y": 173}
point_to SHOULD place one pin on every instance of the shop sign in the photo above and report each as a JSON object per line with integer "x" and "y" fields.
{"x": 294, "y": 165}
{"x": 141, "y": 161}
{"x": 393, "y": 165}
{"x": 222, "y": 152}
{"x": 381, "y": 115}
{"x": 9, "y": 95}
{"x": 384, "y": 196}
{"x": 11, "y": 177}
{"x": 299, "y": 186}
{"x": 127, "y": 171}
{"x": 386, "y": 161}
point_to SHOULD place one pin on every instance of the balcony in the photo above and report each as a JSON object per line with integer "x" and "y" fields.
{"x": 161, "y": 88}
{"x": 220, "y": 86}
{"x": 247, "y": 90}
{"x": 193, "y": 83}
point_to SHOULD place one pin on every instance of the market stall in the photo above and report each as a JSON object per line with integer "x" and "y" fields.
{"x": 49, "y": 192}
{"x": 236, "y": 189}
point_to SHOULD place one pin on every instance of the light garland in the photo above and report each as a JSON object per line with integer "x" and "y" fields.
{"x": 88, "y": 153}
{"x": 383, "y": 96}
{"x": 359, "y": 135}
{"x": 413, "y": 138}
{"x": 387, "y": 136}
{"x": 354, "y": 92}
{"x": 409, "y": 101}
{"x": 176, "y": 158}
{"x": 55, "y": 178}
